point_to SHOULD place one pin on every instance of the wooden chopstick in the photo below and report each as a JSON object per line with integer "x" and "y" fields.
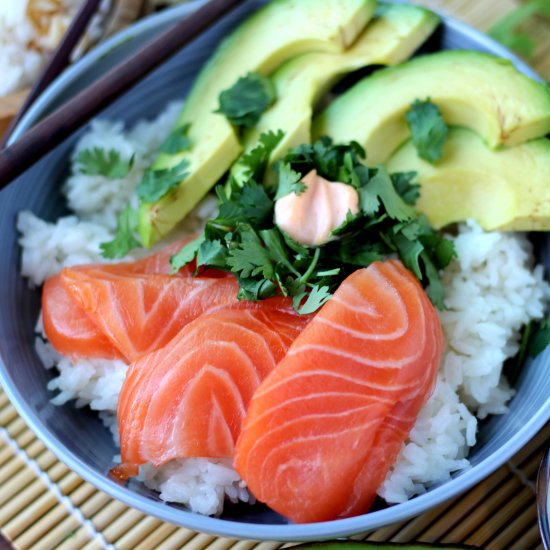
{"x": 59, "y": 61}
{"x": 51, "y": 131}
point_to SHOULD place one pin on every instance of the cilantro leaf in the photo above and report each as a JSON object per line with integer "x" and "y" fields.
{"x": 255, "y": 289}
{"x": 244, "y": 103}
{"x": 177, "y": 141}
{"x": 155, "y": 184}
{"x": 435, "y": 289}
{"x": 380, "y": 188}
{"x": 428, "y": 130}
{"x": 109, "y": 164}
{"x": 186, "y": 254}
{"x": 250, "y": 257}
{"x": 249, "y": 204}
{"x": 254, "y": 163}
{"x": 125, "y": 239}
{"x": 289, "y": 181}
{"x": 405, "y": 186}
{"x": 212, "y": 254}
{"x": 540, "y": 339}
{"x": 315, "y": 299}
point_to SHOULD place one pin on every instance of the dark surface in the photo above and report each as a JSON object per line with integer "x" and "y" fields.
{"x": 78, "y": 438}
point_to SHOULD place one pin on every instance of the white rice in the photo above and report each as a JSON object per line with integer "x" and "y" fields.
{"x": 492, "y": 290}
{"x": 26, "y": 46}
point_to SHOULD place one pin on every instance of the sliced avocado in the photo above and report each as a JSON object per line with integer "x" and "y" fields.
{"x": 396, "y": 32}
{"x": 506, "y": 189}
{"x": 479, "y": 91}
{"x": 280, "y": 30}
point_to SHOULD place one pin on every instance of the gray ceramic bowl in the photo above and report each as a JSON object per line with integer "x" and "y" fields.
{"x": 77, "y": 437}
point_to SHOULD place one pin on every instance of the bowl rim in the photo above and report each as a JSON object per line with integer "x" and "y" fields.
{"x": 231, "y": 528}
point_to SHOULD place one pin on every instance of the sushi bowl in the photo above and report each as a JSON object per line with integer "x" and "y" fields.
{"x": 77, "y": 436}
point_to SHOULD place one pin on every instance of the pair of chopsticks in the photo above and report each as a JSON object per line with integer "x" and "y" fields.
{"x": 60, "y": 59}
{"x": 52, "y": 130}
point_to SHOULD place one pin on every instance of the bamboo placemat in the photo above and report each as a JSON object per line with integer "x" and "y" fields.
{"x": 44, "y": 505}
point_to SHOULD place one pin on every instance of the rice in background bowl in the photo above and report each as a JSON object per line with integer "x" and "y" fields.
{"x": 80, "y": 440}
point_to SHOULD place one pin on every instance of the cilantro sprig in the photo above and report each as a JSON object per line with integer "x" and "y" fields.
{"x": 428, "y": 130}
{"x": 244, "y": 103}
{"x": 99, "y": 162}
{"x": 244, "y": 240}
{"x": 125, "y": 238}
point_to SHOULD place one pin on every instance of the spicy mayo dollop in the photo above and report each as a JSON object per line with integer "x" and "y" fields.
{"x": 310, "y": 216}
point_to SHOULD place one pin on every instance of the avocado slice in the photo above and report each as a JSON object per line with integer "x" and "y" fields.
{"x": 506, "y": 189}
{"x": 479, "y": 91}
{"x": 280, "y": 30}
{"x": 396, "y": 32}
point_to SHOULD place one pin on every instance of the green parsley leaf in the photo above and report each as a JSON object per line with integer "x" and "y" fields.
{"x": 428, "y": 130}
{"x": 289, "y": 181}
{"x": 125, "y": 239}
{"x": 380, "y": 188}
{"x": 540, "y": 339}
{"x": 109, "y": 164}
{"x": 275, "y": 243}
{"x": 253, "y": 164}
{"x": 212, "y": 254}
{"x": 250, "y": 257}
{"x": 186, "y": 254}
{"x": 250, "y": 203}
{"x": 405, "y": 186}
{"x": 157, "y": 183}
{"x": 244, "y": 103}
{"x": 255, "y": 289}
{"x": 435, "y": 289}
{"x": 317, "y": 297}
{"x": 177, "y": 141}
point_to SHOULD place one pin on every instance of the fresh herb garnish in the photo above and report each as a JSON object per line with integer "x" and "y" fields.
{"x": 244, "y": 240}
{"x": 177, "y": 141}
{"x": 253, "y": 164}
{"x": 125, "y": 239}
{"x": 540, "y": 338}
{"x": 507, "y": 30}
{"x": 428, "y": 129}
{"x": 244, "y": 103}
{"x": 289, "y": 181}
{"x": 109, "y": 164}
{"x": 157, "y": 183}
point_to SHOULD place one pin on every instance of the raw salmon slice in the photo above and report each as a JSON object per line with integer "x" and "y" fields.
{"x": 325, "y": 426}
{"x": 71, "y": 331}
{"x": 189, "y": 398}
{"x": 69, "y": 328}
{"x": 142, "y": 313}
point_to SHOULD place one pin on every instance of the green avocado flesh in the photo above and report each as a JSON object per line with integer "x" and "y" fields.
{"x": 508, "y": 189}
{"x": 277, "y": 32}
{"x": 479, "y": 91}
{"x": 393, "y": 36}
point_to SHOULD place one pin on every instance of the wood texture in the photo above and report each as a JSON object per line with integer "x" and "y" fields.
{"x": 499, "y": 513}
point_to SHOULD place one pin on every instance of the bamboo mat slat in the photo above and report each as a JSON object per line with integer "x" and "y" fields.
{"x": 57, "y": 509}
{"x": 45, "y": 505}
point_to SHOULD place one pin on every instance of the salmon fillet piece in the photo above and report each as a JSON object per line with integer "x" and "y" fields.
{"x": 142, "y": 313}
{"x": 69, "y": 328}
{"x": 189, "y": 398}
{"x": 326, "y": 425}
